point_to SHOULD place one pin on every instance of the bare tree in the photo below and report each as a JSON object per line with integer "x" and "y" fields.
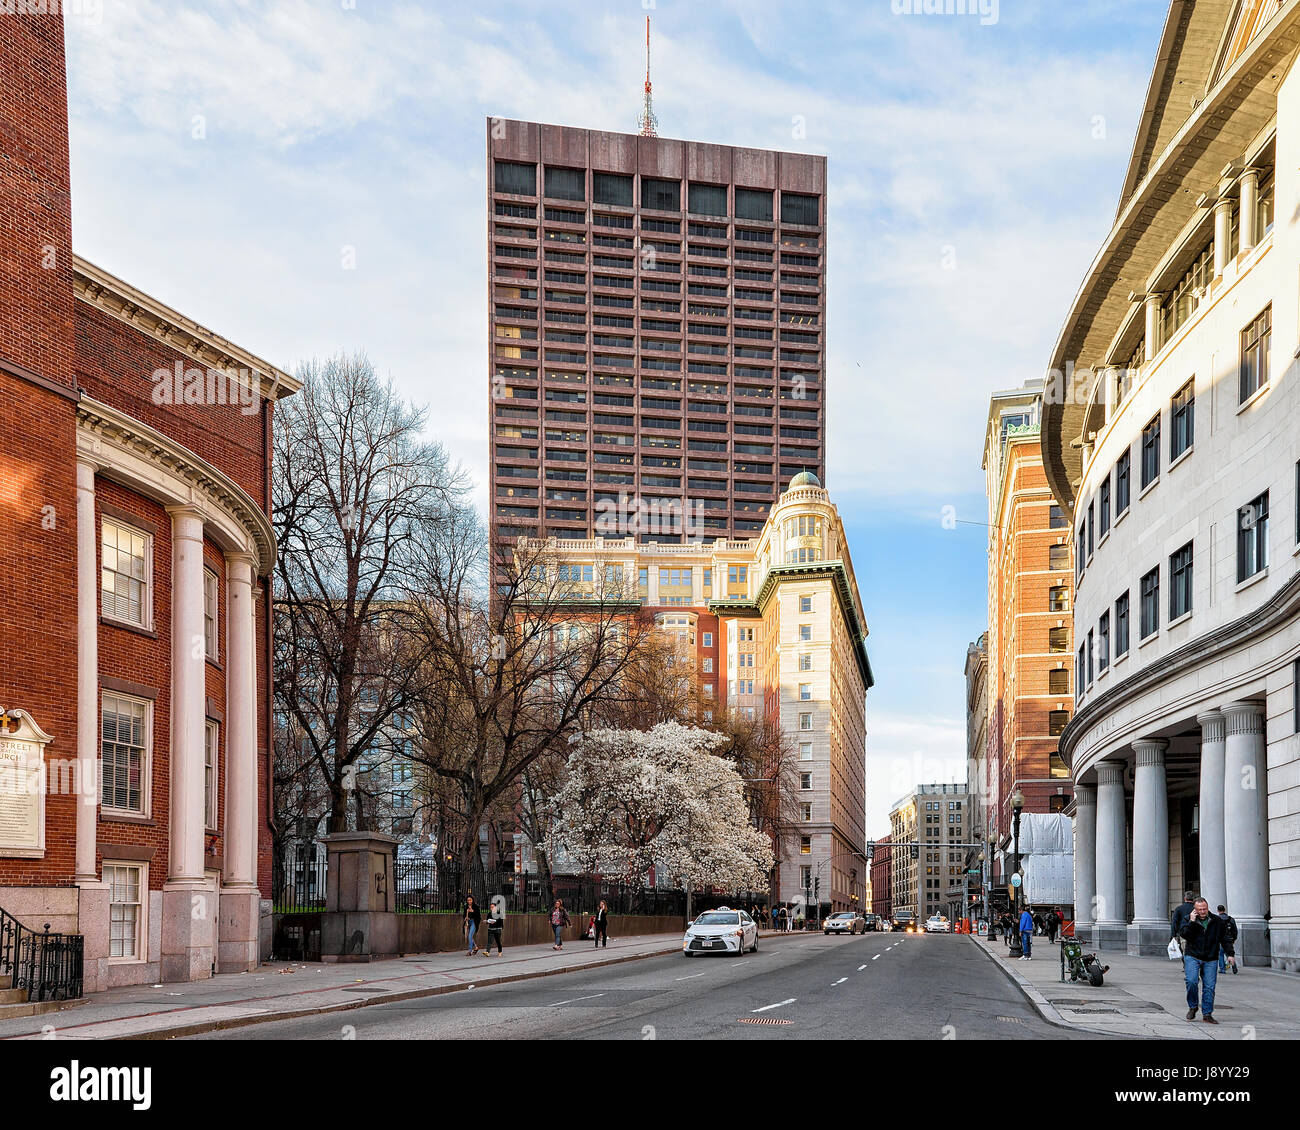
{"x": 354, "y": 487}
{"x": 517, "y": 651}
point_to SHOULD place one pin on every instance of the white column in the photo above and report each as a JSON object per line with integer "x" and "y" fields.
{"x": 653, "y": 597}
{"x": 1085, "y": 855}
{"x": 1222, "y": 228}
{"x": 1213, "y": 882}
{"x": 697, "y": 585}
{"x": 87, "y": 674}
{"x": 1112, "y": 851}
{"x": 187, "y": 705}
{"x": 1245, "y": 813}
{"x": 1150, "y": 835}
{"x": 241, "y": 724}
{"x": 1151, "y": 308}
{"x": 1249, "y": 207}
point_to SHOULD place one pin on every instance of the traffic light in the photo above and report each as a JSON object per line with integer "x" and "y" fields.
{"x": 916, "y": 851}
{"x": 817, "y": 887}
{"x": 871, "y": 852}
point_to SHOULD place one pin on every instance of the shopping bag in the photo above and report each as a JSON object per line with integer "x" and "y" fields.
{"x": 1175, "y": 951}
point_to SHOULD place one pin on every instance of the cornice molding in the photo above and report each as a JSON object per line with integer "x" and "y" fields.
{"x": 140, "y": 311}
{"x": 116, "y": 428}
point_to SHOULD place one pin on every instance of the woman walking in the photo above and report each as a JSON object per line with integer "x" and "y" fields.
{"x": 495, "y": 925}
{"x": 472, "y": 920}
{"x": 559, "y": 920}
{"x": 601, "y": 936}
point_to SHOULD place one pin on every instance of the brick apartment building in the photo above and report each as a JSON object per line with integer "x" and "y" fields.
{"x": 134, "y": 511}
{"x": 656, "y": 330}
{"x": 1029, "y": 643}
{"x": 882, "y": 885}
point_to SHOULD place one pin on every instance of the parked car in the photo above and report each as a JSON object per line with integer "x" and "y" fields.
{"x": 937, "y": 924}
{"x": 721, "y": 931}
{"x": 846, "y": 922}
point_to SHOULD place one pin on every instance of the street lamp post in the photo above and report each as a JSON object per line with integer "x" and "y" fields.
{"x": 1017, "y": 806}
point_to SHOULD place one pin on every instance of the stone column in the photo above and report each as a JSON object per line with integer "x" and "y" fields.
{"x": 1151, "y": 308}
{"x": 92, "y": 894}
{"x": 1085, "y": 859}
{"x": 1222, "y": 229}
{"x": 238, "y": 926}
{"x": 188, "y": 912}
{"x": 1110, "y": 927}
{"x": 359, "y": 922}
{"x": 1245, "y": 828}
{"x": 697, "y": 585}
{"x": 653, "y": 598}
{"x": 1249, "y": 208}
{"x": 1214, "y": 883}
{"x": 1148, "y": 934}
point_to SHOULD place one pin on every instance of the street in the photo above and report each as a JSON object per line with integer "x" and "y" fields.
{"x": 872, "y": 986}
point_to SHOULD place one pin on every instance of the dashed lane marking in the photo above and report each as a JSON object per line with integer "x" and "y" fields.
{"x": 572, "y": 1000}
{"x": 862, "y": 967}
{"x": 690, "y": 978}
{"x": 840, "y": 981}
{"x": 874, "y": 957}
{"x": 779, "y": 1004}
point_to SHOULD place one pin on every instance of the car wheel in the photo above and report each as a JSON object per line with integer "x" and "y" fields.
{"x": 687, "y": 953}
{"x": 755, "y": 949}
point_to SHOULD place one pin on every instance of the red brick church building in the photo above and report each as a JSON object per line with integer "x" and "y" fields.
{"x": 134, "y": 637}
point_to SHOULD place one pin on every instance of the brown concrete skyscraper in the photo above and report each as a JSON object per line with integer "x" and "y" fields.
{"x": 657, "y": 332}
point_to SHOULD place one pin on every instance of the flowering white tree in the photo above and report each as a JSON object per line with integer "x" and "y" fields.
{"x": 662, "y": 797}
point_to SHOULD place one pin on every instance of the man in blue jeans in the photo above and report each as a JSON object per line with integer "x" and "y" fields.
{"x": 1026, "y": 933}
{"x": 1204, "y": 934}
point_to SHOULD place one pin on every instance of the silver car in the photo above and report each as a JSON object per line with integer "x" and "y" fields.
{"x": 846, "y": 922}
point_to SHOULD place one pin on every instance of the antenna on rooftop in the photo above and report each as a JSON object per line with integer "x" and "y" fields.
{"x": 648, "y": 122}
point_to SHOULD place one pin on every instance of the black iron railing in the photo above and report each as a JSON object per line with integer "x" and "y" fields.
{"x": 48, "y": 967}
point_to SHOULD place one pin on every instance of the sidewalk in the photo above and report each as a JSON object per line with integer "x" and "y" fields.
{"x": 283, "y": 990}
{"x": 1146, "y": 997}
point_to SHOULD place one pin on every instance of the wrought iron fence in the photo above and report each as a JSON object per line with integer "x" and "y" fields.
{"x": 299, "y": 883}
{"x": 48, "y": 967}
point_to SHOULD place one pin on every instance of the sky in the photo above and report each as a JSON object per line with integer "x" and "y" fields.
{"x": 308, "y": 176}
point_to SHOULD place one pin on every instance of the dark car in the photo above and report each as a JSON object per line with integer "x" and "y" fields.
{"x": 871, "y": 921}
{"x": 905, "y": 923}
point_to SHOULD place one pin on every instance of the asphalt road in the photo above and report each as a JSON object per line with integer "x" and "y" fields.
{"x": 873, "y": 986}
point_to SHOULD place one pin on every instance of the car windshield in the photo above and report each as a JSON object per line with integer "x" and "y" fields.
{"x": 844, "y": 915}
{"x": 716, "y": 919}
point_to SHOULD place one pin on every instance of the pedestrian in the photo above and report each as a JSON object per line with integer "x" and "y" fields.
{"x": 1040, "y": 927}
{"x": 495, "y": 926}
{"x": 1231, "y": 923}
{"x": 559, "y": 920}
{"x": 1203, "y": 934}
{"x": 780, "y": 924}
{"x": 1026, "y": 933}
{"x": 1179, "y": 918}
{"x": 472, "y": 920}
{"x": 601, "y": 936}
{"x": 1052, "y": 923}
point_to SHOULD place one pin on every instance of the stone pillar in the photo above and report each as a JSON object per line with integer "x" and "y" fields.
{"x": 653, "y": 574}
{"x": 697, "y": 585}
{"x": 359, "y": 922}
{"x": 1110, "y": 927}
{"x": 1151, "y": 308}
{"x": 92, "y": 894}
{"x": 1249, "y": 208}
{"x": 237, "y": 943}
{"x": 1214, "y": 883}
{"x": 1085, "y": 859}
{"x": 1222, "y": 229}
{"x": 1245, "y": 828}
{"x": 87, "y": 675}
{"x": 187, "y": 899}
{"x": 1148, "y": 934}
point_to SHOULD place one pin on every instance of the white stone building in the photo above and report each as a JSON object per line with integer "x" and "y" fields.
{"x": 1171, "y": 433}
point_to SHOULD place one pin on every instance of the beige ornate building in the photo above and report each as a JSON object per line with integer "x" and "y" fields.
{"x": 775, "y": 627}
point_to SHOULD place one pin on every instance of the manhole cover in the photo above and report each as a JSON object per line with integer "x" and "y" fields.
{"x": 1011, "y": 1019}
{"x": 771, "y": 1021}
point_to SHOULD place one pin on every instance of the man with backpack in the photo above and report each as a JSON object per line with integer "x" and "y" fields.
{"x": 1231, "y": 924}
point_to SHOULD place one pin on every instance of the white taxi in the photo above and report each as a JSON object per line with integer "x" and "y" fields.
{"x": 937, "y": 924}
{"x": 721, "y": 931}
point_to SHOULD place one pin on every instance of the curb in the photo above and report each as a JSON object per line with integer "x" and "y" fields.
{"x": 1041, "y": 1003}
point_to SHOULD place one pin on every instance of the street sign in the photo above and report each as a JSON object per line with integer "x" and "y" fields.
{"x": 1015, "y": 880}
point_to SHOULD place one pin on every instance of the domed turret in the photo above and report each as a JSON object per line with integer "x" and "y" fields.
{"x": 804, "y": 479}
